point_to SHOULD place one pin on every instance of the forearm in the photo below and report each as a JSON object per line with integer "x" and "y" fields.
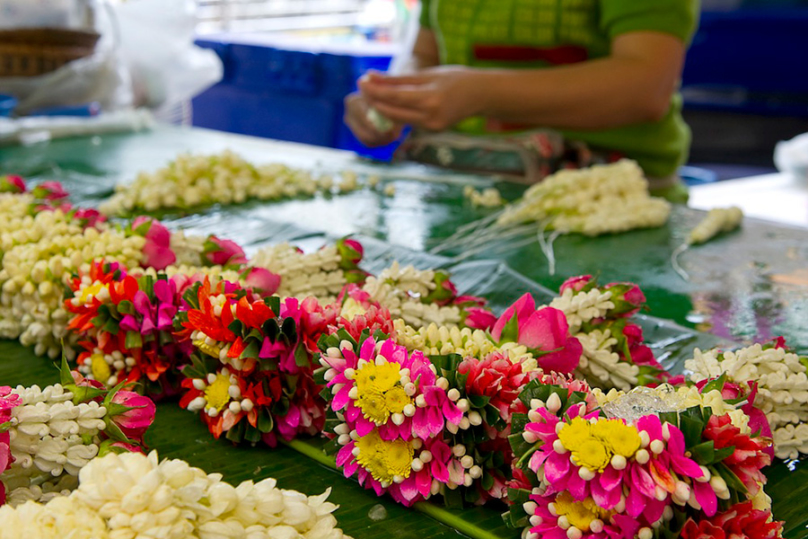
{"x": 600, "y": 94}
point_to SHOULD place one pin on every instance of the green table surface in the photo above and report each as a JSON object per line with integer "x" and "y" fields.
{"x": 751, "y": 284}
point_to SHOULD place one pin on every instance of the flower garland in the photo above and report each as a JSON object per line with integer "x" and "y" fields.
{"x": 598, "y": 200}
{"x": 770, "y": 377}
{"x": 50, "y": 434}
{"x": 614, "y": 355}
{"x": 641, "y": 465}
{"x": 126, "y": 326}
{"x": 194, "y": 181}
{"x": 134, "y": 495}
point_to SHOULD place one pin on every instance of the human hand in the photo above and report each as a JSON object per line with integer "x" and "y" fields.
{"x": 357, "y": 120}
{"x": 434, "y": 99}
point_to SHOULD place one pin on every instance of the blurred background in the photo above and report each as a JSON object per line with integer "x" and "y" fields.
{"x": 281, "y": 68}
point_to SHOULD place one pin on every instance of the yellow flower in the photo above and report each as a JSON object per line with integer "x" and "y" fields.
{"x": 384, "y": 460}
{"x": 621, "y": 439}
{"x": 398, "y": 458}
{"x": 217, "y": 394}
{"x": 579, "y": 514}
{"x": 91, "y": 290}
{"x": 378, "y": 377}
{"x": 373, "y": 406}
{"x": 574, "y": 433}
{"x": 396, "y": 399}
{"x": 592, "y": 454}
{"x": 100, "y": 368}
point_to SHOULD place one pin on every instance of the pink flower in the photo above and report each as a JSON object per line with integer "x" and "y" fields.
{"x": 221, "y": 252}
{"x": 576, "y": 284}
{"x": 478, "y": 318}
{"x": 64, "y": 207}
{"x": 135, "y": 413}
{"x": 545, "y": 330}
{"x": 89, "y": 217}
{"x": 49, "y": 190}
{"x": 628, "y": 299}
{"x": 496, "y": 379}
{"x": 157, "y": 250}
{"x": 263, "y": 281}
{"x": 741, "y": 521}
{"x": 350, "y": 251}
{"x": 12, "y": 184}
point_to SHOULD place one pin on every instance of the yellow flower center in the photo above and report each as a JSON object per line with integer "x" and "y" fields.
{"x": 91, "y": 290}
{"x": 621, "y": 439}
{"x": 374, "y": 406}
{"x": 579, "y": 514}
{"x": 384, "y": 460}
{"x": 100, "y": 368}
{"x": 575, "y": 433}
{"x": 217, "y": 394}
{"x": 396, "y": 399}
{"x": 211, "y": 350}
{"x": 592, "y": 454}
{"x": 379, "y": 377}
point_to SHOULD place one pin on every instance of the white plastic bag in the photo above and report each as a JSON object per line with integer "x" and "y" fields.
{"x": 43, "y": 13}
{"x": 157, "y": 44}
{"x": 791, "y": 156}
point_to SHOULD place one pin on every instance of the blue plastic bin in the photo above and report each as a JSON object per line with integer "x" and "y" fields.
{"x": 273, "y": 89}
{"x": 7, "y": 104}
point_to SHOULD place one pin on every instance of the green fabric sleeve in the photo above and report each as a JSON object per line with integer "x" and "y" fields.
{"x": 426, "y": 21}
{"x": 676, "y": 17}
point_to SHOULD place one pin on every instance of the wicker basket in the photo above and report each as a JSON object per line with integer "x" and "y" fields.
{"x": 36, "y": 51}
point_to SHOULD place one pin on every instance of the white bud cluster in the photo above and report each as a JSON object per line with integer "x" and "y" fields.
{"x": 601, "y": 366}
{"x": 717, "y": 220}
{"x": 314, "y": 274}
{"x": 782, "y": 389}
{"x": 442, "y": 340}
{"x": 225, "y": 178}
{"x": 487, "y": 198}
{"x": 597, "y": 200}
{"x": 400, "y": 290}
{"x": 42, "y": 253}
{"x": 582, "y": 307}
{"x": 50, "y": 438}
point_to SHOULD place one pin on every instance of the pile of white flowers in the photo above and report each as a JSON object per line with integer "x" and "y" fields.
{"x": 316, "y": 274}
{"x": 51, "y": 440}
{"x": 134, "y": 495}
{"x": 782, "y": 388}
{"x": 400, "y": 291}
{"x": 39, "y": 254}
{"x": 600, "y": 364}
{"x": 192, "y": 181}
{"x": 435, "y": 340}
{"x": 598, "y": 200}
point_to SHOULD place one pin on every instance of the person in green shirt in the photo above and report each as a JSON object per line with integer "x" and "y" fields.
{"x": 531, "y": 86}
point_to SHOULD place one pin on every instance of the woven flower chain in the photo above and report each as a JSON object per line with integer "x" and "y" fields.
{"x": 647, "y": 463}
{"x": 417, "y": 426}
{"x": 597, "y": 200}
{"x": 134, "y": 495}
{"x": 768, "y": 376}
{"x": 48, "y": 435}
{"x": 614, "y": 355}
{"x": 194, "y": 181}
{"x": 127, "y": 327}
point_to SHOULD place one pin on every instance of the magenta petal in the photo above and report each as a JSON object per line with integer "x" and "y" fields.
{"x": 128, "y": 323}
{"x": 367, "y": 350}
{"x": 576, "y": 486}
{"x": 263, "y": 280}
{"x": 409, "y": 488}
{"x": 654, "y": 509}
{"x": 706, "y": 497}
{"x": 147, "y": 326}
{"x": 556, "y": 467}
{"x": 364, "y": 426}
{"x": 564, "y": 361}
{"x": 629, "y": 526}
{"x": 452, "y": 412}
{"x": 685, "y": 466}
{"x": 424, "y": 482}
{"x": 642, "y": 481}
{"x": 610, "y": 478}
{"x": 635, "y": 503}
{"x": 344, "y": 454}
{"x": 158, "y": 257}
{"x": 341, "y": 398}
{"x": 545, "y": 329}
{"x": 599, "y": 494}
{"x": 439, "y": 471}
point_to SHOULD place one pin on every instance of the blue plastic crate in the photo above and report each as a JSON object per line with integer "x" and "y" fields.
{"x": 7, "y": 104}
{"x": 756, "y": 50}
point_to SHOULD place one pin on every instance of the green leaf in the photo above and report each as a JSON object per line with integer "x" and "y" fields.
{"x": 133, "y": 340}
{"x": 715, "y": 385}
{"x": 510, "y": 333}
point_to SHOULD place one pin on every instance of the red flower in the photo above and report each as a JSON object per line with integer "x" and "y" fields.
{"x": 576, "y": 284}
{"x": 494, "y": 377}
{"x": 749, "y": 456}
{"x": 221, "y": 252}
{"x": 741, "y": 521}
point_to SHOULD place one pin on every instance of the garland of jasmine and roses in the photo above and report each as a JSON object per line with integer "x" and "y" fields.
{"x": 422, "y": 391}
